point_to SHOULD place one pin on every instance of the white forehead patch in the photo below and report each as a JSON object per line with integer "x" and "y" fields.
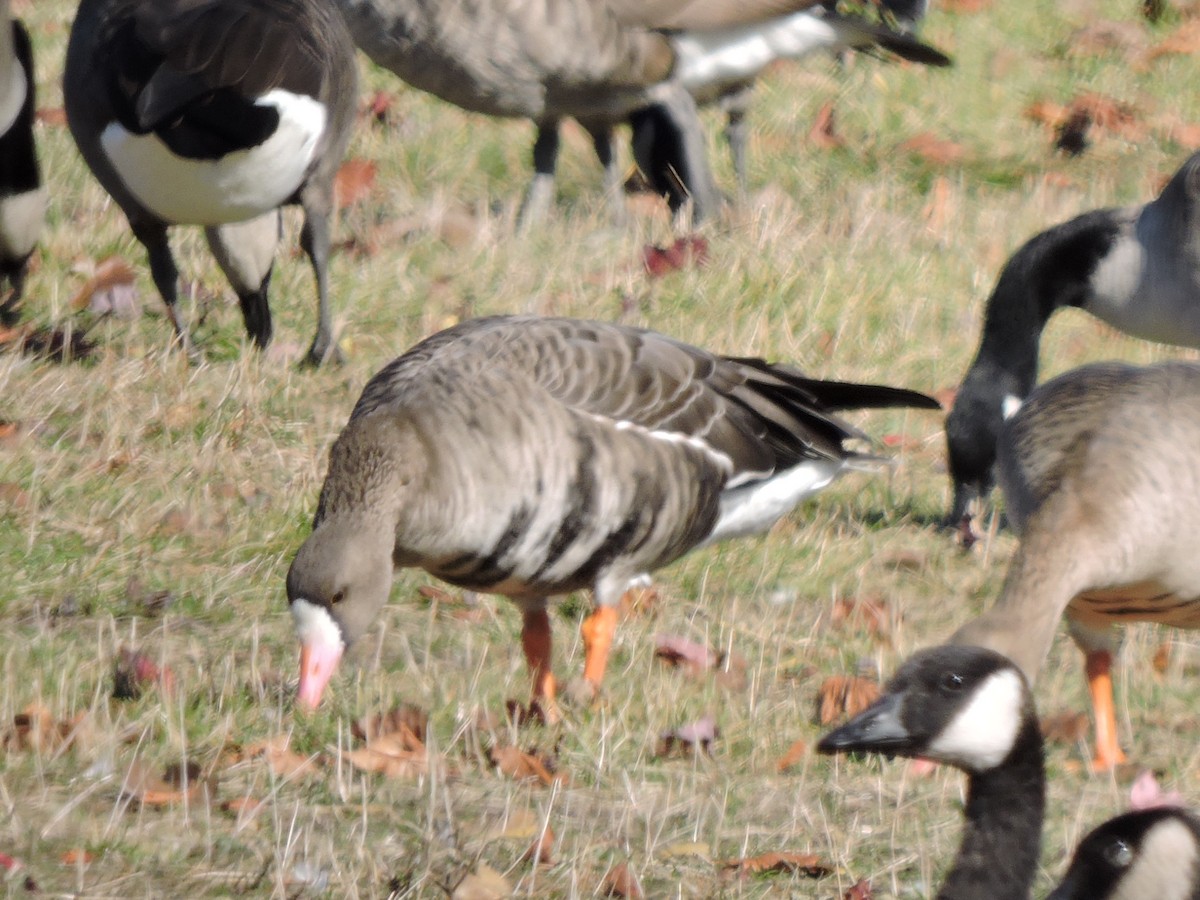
{"x": 1164, "y": 867}
{"x": 314, "y": 624}
{"x": 983, "y": 732}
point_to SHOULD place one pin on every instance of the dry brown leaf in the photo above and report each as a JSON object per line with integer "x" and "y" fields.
{"x": 639, "y": 602}
{"x": 823, "y": 133}
{"x": 281, "y": 759}
{"x": 697, "y": 660}
{"x": 1046, "y": 112}
{"x": 695, "y": 737}
{"x": 134, "y": 671}
{"x": 1184, "y": 40}
{"x": 869, "y": 614}
{"x": 1110, "y": 114}
{"x": 1162, "y": 658}
{"x": 51, "y": 115}
{"x": 398, "y": 754}
{"x": 178, "y": 784}
{"x": 621, "y": 882}
{"x": 794, "y": 755}
{"x": 76, "y": 856}
{"x": 687, "y": 252}
{"x": 844, "y": 695}
{"x": 485, "y": 883}
{"x": 932, "y": 149}
{"x": 1065, "y": 728}
{"x": 12, "y": 494}
{"x": 797, "y": 863}
{"x": 110, "y": 289}
{"x": 405, "y": 719}
{"x": 521, "y": 766}
{"x": 354, "y": 182}
{"x": 36, "y": 729}
{"x": 541, "y": 851}
{"x": 860, "y": 890}
{"x": 964, "y": 6}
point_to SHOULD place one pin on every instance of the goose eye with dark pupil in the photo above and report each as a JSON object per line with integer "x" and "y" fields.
{"x": 1118, "y": 854}
{"x": 952, "y": 682}
{"x": 337, "y": 598}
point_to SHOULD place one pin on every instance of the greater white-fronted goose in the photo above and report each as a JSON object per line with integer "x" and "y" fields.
{"x": 1100, "y": 470}
{"x": 531, "y": 457}
{"x": 216, "y": 113}
{"x": 604, "y": 62}
{"x": 1135, "y": 267}
{"x": 970, "y": 708}
{"x": 22, "y": 196}
{"x": 1150, "y": 854}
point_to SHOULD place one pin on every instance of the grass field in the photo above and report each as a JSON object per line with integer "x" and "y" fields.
{"x": 152, "y": 505}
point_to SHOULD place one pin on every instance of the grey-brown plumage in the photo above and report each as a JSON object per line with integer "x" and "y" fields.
{"x": 1101, "y": 471}
{"x": 602, "y": 62}
{"x": 160, "y": 94}
{"x": 533, "y": 457}
{"x": 22, "y": 195}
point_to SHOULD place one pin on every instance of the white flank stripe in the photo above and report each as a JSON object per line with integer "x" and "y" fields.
{"x": 717, "y": 57}
{"x": 236, "y": 187}
{"x": 754, "y": 508}
{"x": 982, "y": 735}
{"x": 675, "y": 437}
{"x": 314, "y": 625}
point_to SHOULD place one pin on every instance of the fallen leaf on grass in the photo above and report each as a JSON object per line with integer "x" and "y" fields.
{"x": 935, "y": 150}
{"x": 860, "y": 890}
{"x": 823, "y": 134}
{"x": 15, "y": 496}
{"x": 485, "y": 883}
{"x": 796, "y": 863}
{"x": 1065, "y": 728}
{"x": 621, "y": 882}
{"x": 36, "y": 729}
{"x": 638, "y": 602}
{"x": 379, "y": 106}
{"x": 869, "y": 614}
{"x": 110, "y": 290}
{"x": 177, "y": 784}
{"x": 844, "y": 695}
{"x": 396, "y": 754}
{"x": 696, "y": 737}
{"x": 964, "y": 6}
{"x": 405, "y": 718}
{"x": 685, "y": 252}
{"x": 281, "y": 759}
{"x": 76, "y": 856}
{"x": 1162, "y": 658}
{"x": 729, "y": 669}
{"x": 794, "y": 755}
{"x": 1184, "y": 40}
{"x": 134, "y": 671}
{"x": 521, "y": 766}
{"x": 51, "y": 115}
{"x": 354, "y": 182}
{"x": 541, "y": 851}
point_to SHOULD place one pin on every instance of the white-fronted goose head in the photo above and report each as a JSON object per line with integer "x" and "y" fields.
{"x": 971, "y": 708}
{"x": 216, "y": 113}
{"x": 22, "y": 196}
{"x": 1101, "y": 474}
{"x": 532, "y": 457}
{"x": 604, "y": 62}
{"x": 1150, "y": 854}
{"x": 1136, "y": 267}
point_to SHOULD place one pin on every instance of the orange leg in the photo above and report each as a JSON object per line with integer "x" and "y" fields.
{"x": 597, "y": 630}
{"x": 1099, "y": 675}
{"x": 536, "y": 641}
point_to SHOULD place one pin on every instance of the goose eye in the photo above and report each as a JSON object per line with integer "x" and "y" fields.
{"x": 338, "y": 597}
{"x": 952, "y": 681}
{"x": 1118, "y": 854}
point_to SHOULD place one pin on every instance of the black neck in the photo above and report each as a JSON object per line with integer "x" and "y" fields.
{"x": 1002, "y": 838}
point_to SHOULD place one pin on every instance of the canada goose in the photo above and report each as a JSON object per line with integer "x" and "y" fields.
{"x": 604, "y": 62}
{"x": 22, "y": 196}
{"x": 1135, "y": 267}
{"x": 1101, "y": 477}
{"x": 1150, "y": 854}
{"x": 216, "y": 113}
{"x": 531, "y": 457}
{"x": 970, "y": 708}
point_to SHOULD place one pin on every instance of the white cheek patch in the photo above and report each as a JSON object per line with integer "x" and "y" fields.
{"x": 13, "y": 99}
{"x": 1009, "y": 405}
{"x": 983, "y": 732}
{"x": 1164, "y": 867}
{"x": 236, "y": 187}
{"x": 314, "y": 625}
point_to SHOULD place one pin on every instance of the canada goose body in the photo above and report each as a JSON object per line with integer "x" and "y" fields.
{"x": 1101, "y": 474}
{"x": 1137, "y": 268}
{"x": 532, "y": 457}
{"x": 602, "y": 62}
{"x": 22, "y": 195}
{"x": 216, "y": 113}
{"x": 970, "y": 708}
{"x": 1149, "y": 854}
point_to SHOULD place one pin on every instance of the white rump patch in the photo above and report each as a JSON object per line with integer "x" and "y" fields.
{"x": 239, "y": 186}
{"x": 718, "y": 57}
{"x": 14, "y": 98}
{"x": 983, "y": 732}
{"x": 1164, "y": 867}
{"x": 1009, "y": 405}
{"x": 754, "y": 508}
{"x": 314, "y": 625}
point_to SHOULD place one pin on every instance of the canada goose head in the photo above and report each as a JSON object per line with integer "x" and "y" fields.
{"x": 336, "y": 586}
{"x": 1150, "y": 854}
{"x": 965, "y": 706}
